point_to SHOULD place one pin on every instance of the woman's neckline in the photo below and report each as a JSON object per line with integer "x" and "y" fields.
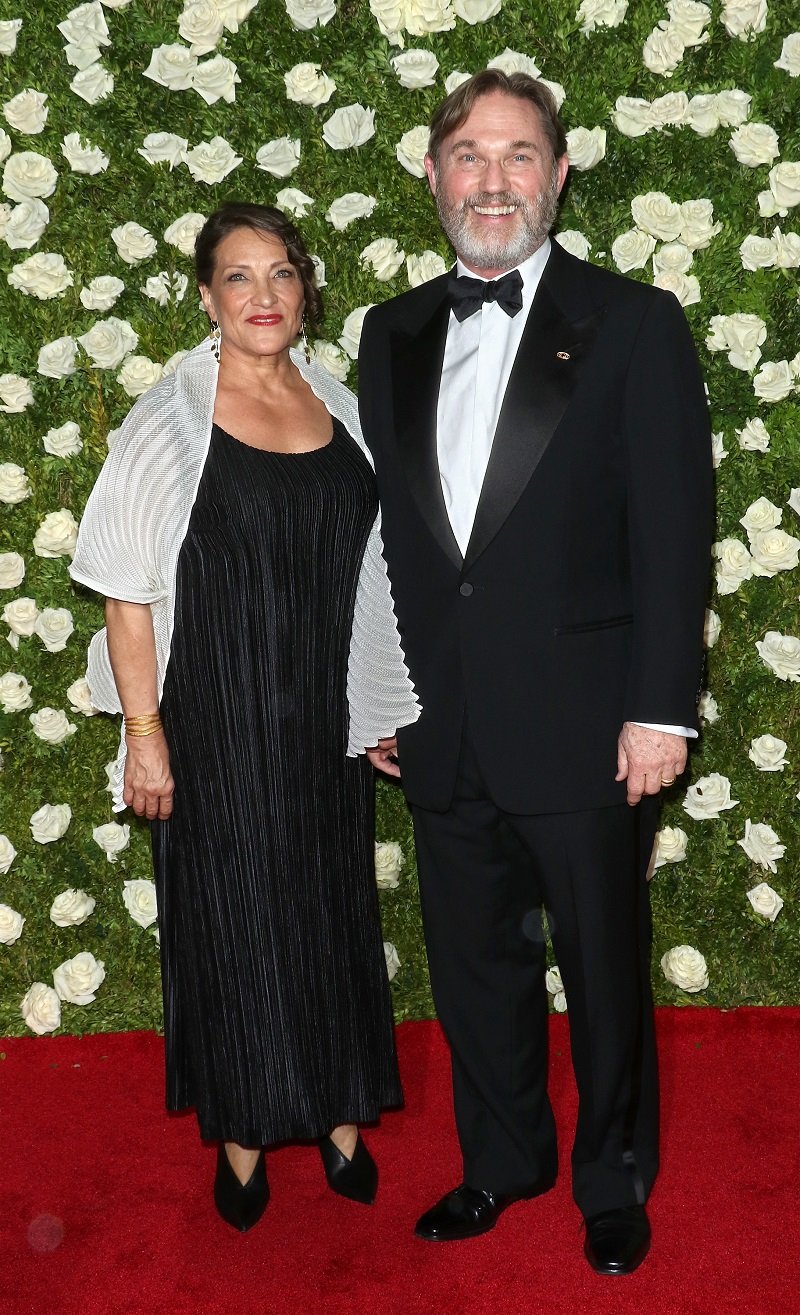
{"x": 275, "y": 451}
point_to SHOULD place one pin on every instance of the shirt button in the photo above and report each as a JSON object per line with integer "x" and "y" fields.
{"x": 465, "y": 589}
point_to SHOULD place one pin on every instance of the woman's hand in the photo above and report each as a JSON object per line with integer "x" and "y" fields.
{"x": 149, "y": 786}
{"x": 384, "y": 756}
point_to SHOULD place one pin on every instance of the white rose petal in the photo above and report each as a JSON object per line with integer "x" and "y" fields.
{"x": 383, "y": 257}
{"x": 54, "y": 625}
{"x": 392, "y": 960}
{"x": 671, "y": 110}
{"x": 703, "y": 114}
{"x": 133, "y": 242}
{"x": 411, "y": 150}
{"x": 348, "y": 127}
{"x": 172, "y": 66}
{"x": 689, "y": 19}
{"x": 734, "y": 565}
{"x": 697, "y": 224}
{"x": 663, "y": 50}
{"x": 43, "y": 276}
{"x": 15, "y": 395}
{"x": 306, "y": 84}
{"x": 11, "y": 924}
{"x": 295, "y": 203}
{"x": 76, "y": 980}
{"x": 793, "y": 501}
{"x": 319, "y": 270}
{"x": 210, "y": 162}
{"x": 761, "y": 515}
{"x": 139, "y": 898}
{"x": 768, "y": 206}
{"x": 423, "y": 16}
{"x": 9, "y": 29}
{"x": 163, "y": 148}
{"x": 672, "y": 258}
{"x": 476, "y": 11}
{"x": 50, "y": 823}
{"x": 632, "y": 250}
{"x": 781, "y": 653}
{"x": 7, "y": 854}
{"x": 683, "y": 286}
{"x": 707, "y": 708}
{"x": 182, "y": 232}
{"x": 57, "y": 535}
{"x": 784, "y": 184}
{"x": 52, "y": 725}
{"x": 761, "y": 845}
{"x": 758, "y": 252}
{"x": 552, "y": 980}
{"x": 279, "y": 157}
{"x": 82, "y": 157}
{"x": 600, "y": 13}
{"x": 789, "y": 59}
{"x": 25, "y": 224}
{"x": 86, "y": 22}
{"x": 389, "y": 859}
{"x": 332, "y": 358}
{"x": 754, "y": 144}
{"x": 27, "y": 111}
{"x": 787, "y": 249}
{"x": 64, "y": 441}
{"x": 102, "y": 292}
{"x": 306, "y": 14}
{"x": 41, "y": 1009}
{"x": 112, "y": 839}
{"x": 753, "y": 436}
{"x": 71, "y": 908}
{"x": 671, "y": 846}
{"x": 12, "y": 570}
{"x": 574, "y": 242}
{"x": 92, "y": 84}
{"x": 768, "y": 752}
{"x": 766, "y": 901}
{"x": 216, "y": 79}
{"x": 28, "y": 174}
{"x": 200, "y": 24}
{"x": 454, "y": 80}
{"x": 733, "y": 107}
{"x": 80, "y": 697}
{"x": 14, "y": 486}
{"x": 138, "y": 374}
{"x": 744, "y": 18}
{"x": 686, "y": 968}
{"x": 586, "y": 147}
{"x": 708, "y": 797}
{"x": 353, "y": 205}
{"x": 351, "y": 331}
{"x": 57, "y": 359}
{"x": 421, "y": 269}
{"x": 633, "y": 116}
{"x": 773, "y": 550}
{"x": 416, "y": 68}
{"x": 15, "y": 692}
{"x": 774, "y": 381}
{"x": 20, "y": 615}
{"x": 513, "y": 61}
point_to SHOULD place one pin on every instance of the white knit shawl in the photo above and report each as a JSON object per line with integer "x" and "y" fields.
{"x": 136, "y": 519}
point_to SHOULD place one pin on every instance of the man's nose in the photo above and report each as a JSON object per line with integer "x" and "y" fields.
{"x": 494, "y": 178}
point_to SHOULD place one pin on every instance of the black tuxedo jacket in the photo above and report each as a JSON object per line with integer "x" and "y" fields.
{"x": 579, "y": 604}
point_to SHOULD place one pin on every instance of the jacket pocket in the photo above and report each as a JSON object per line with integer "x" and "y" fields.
{"x": 584, "y": 627}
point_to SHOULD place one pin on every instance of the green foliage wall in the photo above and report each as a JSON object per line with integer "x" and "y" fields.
{"x": 699, "y": 51}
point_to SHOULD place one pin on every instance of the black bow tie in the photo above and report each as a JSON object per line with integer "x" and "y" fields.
{"x": 468, "y": 295}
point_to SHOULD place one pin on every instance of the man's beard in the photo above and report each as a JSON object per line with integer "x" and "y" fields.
{"x": 489, "y": 250}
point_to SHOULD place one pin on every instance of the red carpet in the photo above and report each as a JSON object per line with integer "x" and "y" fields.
{"x": 107, "y": 1204}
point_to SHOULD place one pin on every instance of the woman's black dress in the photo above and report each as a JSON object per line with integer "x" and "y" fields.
{"x": 277, "y": 1010}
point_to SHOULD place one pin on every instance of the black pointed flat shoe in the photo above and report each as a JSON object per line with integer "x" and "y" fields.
{"x": 240, "y": 1204}
{"x": 357, "y": 1179}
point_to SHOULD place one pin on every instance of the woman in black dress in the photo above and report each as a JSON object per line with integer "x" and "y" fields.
{"x": 277, "y": 1010}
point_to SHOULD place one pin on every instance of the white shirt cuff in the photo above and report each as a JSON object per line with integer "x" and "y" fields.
{"x": 671, "y": 730}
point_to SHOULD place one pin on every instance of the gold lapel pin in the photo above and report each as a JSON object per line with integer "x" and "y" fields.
{"x": 562, "y": 356}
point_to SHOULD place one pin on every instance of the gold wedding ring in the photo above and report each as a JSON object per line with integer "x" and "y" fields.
{"x": 671, "y": 781}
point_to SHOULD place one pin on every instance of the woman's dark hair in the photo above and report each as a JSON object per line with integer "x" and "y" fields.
{"x": 270, "y": 221}
{"x": 459, "y": 104}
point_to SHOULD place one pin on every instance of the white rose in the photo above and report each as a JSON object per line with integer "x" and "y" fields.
{"x": 686, "y": 968}
{"x": 412, "y": 149}
{"x": 41, "y": 1009}
{"x": 787, "y": 249}
{"x": 654, "y": 213}
{"x": 57, "y": 535}
{"x": 134, "y": 243}
{"x": 14, "y": 486}
{"x": 279, "y": 157}
{"x": 745, "y": 335}
{"x": 416, "y": 68}
{"x": 80, "y": 697}
{"x": 110, "y": 770}
{"x": 766, "y": 901}
{"x": 172, "y": 66}
{"x": 76, "y": 980}
{"x": 27, "y": 111}
{"x": 28, "y": 175}
{"x": 784, "y": 184}
{"x": 388, "y": 861}
{"x": 671, "y": 844}
{"x": 632, "y": 116}
{"x": 102, "y": 292}
{"x": 586, "y": 147}
{"x": 351, "y": 330}
{"x": 773, "y": 551}
{"x": 163, "y": 148}
{"x": 384, "y": 258}
{"x": 708, "y": 797}
{"x": 476, "y": 11}
{"x": 556, "y": 91}
{"x": 15, "y": 692}
{"x": 20, "y": 616}
{"x": 295, "y": 203}
{"x": 391, "y": 18}
{"x": 697, "y": 224}
{"x": 308, "y": 85}
{"x": 82, "y": 157}
{"x": 774, "y": 381}
{"x": 16, "y": 394}
{"x": 332, "y": 358}
{"x": 319, "y": 269}
{"x": 12, "y": 570}
{"x": 56, "y": 360}
{"x": 793, "y": 501}
{"x": 689, "y": 20}
{"x": 216, "y": 79}
{"x": 108, "y": 342}
{"x": 553, "y": 981}
{"x": 52, "y": 725}
{"x": 11, "y": 924}
{"x": 420, "y": 269}
{"x": 707, "y": 708}
{"x": 392, "y": 960}
{"x": 672, "y": 258}
{"x": 758, "y": 252}
{"x": 86, "y": 22}
{"x": 768, "y": 752}
{"x": 305, "y": 14}
{"x": 54, "y": 626}
{"x": 574, "y": 242}
{"x": 138, "y": 374}
{"x": 761, "y": 845}
{"x": 789, "y": 59}
{"x": 754, "y": 144}
{"x": 7, "y": 854}
{"x": 683, "y": 286}
{"x": 632, "y": 250}
{"x": 349, "y": 126}
{"x": 112, "y": 839}
{"x": 455, "y": 79}
{"x": 210, "y": 162}
{"x": 429, "y": 16}
{"x": 600, "y": 13}
{"x": 734, "y": 565}
{"x": 9, "y": 28}
{"x": 670, "y": 111}
{"x": 711, "y": 628}
{"x": 733, "y": 107}
{"x": 43, "y": 276}
{"x": 182, "y": 232}
{"x": 753, "y": 436}
{"x": 157, "y": 288}
{"x": 139, "y": 898}
{"x": 768, "y": 206}
{"x": 761, "y": 515}
{"x": 353, "y": 205}
{"x": 703, "y": 114}
{"x": 25, "y": 224}
{"x": 82, "y": 54}
{"x": 513, "y": 61}
{"x": 50, "y": 823}
{"x": 781, "y": 653}
{"x": 744, "y": 18}
{"x": 663, "y": 50}
{"x": 64, "y": 441}
{"x": 92, "y": 84}
{"x": 234, "y": 12}
{"x": 71, "y": 908}
{"x": 200, "y": 25}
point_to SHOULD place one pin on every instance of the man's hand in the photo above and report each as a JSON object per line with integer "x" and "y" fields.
{"x": 384, "y": 756}
{"x": 648, "y": 759}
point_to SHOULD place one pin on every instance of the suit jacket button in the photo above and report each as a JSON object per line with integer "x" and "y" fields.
{"x": 465, "y": 589}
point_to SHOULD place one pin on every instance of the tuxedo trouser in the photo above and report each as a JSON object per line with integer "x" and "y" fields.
{"x": 485, "y": 876}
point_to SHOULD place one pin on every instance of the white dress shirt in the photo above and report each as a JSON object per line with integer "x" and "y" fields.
{"x": 478, "y": 358}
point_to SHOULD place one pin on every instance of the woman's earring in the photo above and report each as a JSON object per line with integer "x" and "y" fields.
{"x": 304, "y": 340}
{"x": 215, "y": 334}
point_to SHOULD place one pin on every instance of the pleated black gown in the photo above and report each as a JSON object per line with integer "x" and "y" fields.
{"x": 276, "y": 1004}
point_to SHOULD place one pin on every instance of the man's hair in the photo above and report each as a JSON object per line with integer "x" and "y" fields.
{"x": 459, "y": 104}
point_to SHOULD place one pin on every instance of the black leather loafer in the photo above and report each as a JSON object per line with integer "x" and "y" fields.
{"x": 467, "y": 1212}
{"x": 357, "y": 1179}
{"x": 240, "y": 1204}
{"x": 617, "y": 1241}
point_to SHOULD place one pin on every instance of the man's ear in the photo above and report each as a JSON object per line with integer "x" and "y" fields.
{"x": 430, "y": 170}
{"x": 562, "y": 167}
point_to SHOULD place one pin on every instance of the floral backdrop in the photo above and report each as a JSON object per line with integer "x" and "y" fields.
{"x": 124, "y": 123}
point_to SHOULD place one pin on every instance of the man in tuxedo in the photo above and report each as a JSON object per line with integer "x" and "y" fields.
{"x": 542, "y": 450}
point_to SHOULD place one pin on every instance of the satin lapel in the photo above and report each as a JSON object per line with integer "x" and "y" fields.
{"x": 416, "y": 373}
{"x": 539, "y": 389}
